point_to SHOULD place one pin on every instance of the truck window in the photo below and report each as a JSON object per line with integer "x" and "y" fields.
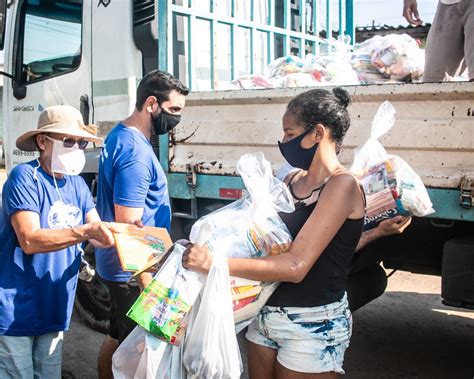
{"x": 49, "y": 36}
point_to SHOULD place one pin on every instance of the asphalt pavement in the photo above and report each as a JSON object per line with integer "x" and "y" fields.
{"x": 406, "y": 333}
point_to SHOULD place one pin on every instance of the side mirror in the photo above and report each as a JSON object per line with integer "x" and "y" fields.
{"x": 3, "y": 23}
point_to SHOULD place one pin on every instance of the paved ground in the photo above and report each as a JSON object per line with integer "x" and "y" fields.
{"x": 406, "y": 333}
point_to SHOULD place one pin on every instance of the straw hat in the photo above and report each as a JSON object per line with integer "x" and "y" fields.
{"x": 61, "y": 119}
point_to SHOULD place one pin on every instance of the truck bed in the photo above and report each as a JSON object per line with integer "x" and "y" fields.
{"x": 434, "y": 130}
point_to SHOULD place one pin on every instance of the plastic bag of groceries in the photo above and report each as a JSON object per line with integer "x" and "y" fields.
{"x": 211, "y": 348}
{"x": 143, "y": 356}
{"x": 396, "y": 56}
{"x": 249, "y": 228}
{"x": 391, "y": 186}
{"x": 162, "y": 308}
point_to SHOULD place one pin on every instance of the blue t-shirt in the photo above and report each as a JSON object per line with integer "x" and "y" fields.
{"x": 129, "y": 175}
{"x": 37, "y": 291}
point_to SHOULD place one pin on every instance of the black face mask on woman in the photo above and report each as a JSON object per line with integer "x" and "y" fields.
{"x": 296, "y": 155}
{"x": 164, "y": 122}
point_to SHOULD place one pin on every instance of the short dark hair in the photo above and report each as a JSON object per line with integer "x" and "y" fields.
{"x": 159, "y": 84}
{"x": 319, "y": 106}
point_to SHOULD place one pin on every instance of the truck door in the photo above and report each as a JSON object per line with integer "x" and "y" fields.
{"x": 48, "y": 53}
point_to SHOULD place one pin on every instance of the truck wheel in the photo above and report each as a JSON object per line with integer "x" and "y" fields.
{"x": 92, "y": 301}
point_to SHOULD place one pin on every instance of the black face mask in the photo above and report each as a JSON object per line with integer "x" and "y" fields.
{"x": 296, "y": 155}
{"x": 164, "y": 122}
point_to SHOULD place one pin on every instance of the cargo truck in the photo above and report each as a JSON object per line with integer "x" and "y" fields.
{"x": 91, "y": 54}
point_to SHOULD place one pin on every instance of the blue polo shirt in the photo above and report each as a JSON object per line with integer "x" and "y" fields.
{"x": 129, "y": 175}
{"x": 37, "y": 290}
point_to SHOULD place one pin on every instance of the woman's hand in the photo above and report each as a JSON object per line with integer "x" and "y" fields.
{"x": 396, "y": 225}
{"x": 197, "y": 258}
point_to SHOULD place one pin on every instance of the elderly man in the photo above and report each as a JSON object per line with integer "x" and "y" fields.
{"x": 47, "y": 213}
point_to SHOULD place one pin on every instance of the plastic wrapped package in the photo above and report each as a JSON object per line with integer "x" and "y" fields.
{"x": 249, "y": 228}
{"x": 252, "y": 82}
{"x": 255, "y": 229}
{"x": 297, "y": 79}
{"x": 391, "y": 186}
{"x": 396, "y": 56}
{"x": 286, "y": 65}
{"x": 163, "y": 306}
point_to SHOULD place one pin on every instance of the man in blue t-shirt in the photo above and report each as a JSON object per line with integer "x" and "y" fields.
{"x": 47, "y": 213}
{"x": 132, "y": 188}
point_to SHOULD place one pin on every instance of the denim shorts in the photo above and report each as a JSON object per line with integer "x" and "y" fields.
{"x": 309, "y": 339}
{"x": 28, "y": 357}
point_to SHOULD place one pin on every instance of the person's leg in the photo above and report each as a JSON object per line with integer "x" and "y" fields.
{"x": 445, "y": 44}
{"x": 282, "y": 372}
{"x": 105, "y": 357}
{"x": 47, "y": 355}
{"x": 122, "y": 295}
{"x": 261, "y": 361}
{"x": 16, "y": 359}
{"x": 469, "y": 37}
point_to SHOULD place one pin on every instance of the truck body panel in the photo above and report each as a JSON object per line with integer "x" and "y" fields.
{"x": 434, "y": 133}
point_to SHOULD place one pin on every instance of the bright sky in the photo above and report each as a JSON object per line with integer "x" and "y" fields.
{"x": 390, "y": 12}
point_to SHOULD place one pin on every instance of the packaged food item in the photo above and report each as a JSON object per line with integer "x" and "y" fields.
{"x": 391, "y": 186}
{"x": 137, "y": 246}
{"x": 163, "y": 306}
{"x": 249, "y": 228}
{"x": 396, "y": 56}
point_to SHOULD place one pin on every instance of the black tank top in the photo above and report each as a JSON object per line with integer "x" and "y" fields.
{"x": 326, "y": 281}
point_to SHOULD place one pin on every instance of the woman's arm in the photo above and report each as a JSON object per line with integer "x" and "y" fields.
{"x": 388, "y": 227}
{"x": 33, "y": 239}
{"x": 340, "y": 199}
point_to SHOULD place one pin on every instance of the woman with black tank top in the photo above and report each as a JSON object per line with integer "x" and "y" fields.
{"x": 305, "y": 327}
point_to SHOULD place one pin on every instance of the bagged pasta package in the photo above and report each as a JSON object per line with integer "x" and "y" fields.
{"x": 162, "y": 308}
{"x": 249, "y": 228}
{"x": 391, "y": 186}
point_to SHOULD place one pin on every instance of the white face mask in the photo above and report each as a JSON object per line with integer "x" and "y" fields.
{"x": 67, "y": 160}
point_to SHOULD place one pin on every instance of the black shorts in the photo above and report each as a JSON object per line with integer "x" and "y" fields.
{"x": 122, "y": 296}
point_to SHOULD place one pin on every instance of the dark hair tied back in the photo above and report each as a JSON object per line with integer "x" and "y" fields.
{"x": 319, "y": 106}
{"x": 342, "y": 95}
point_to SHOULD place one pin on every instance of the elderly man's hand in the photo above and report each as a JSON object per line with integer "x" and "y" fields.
{"x": 197, "y": 258}
{"x": 410, "y": 12}
{"x": 100, "y": 234}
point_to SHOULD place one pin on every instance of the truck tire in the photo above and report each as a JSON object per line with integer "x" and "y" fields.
{"x": 92, "y": 301}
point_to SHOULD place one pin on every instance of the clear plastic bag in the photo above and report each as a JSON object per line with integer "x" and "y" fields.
{"x": 211, "y": 348}
{"x": 249, "y": 228}
{"x": 395, "y": 56}
{"x": 163, "y": 306}
{"x": 391, "y": 186}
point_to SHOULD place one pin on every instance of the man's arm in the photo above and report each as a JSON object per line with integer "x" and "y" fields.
{"x": 33, "y": 239}
{"x": 131, "y": 215}
{"x": 387, "y": 227}
{"x": 410, "y": 12}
